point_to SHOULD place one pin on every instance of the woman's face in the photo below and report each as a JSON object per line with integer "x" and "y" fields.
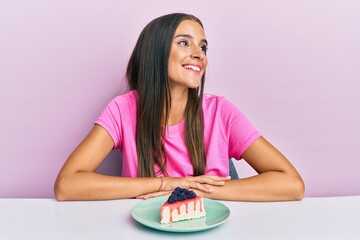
{"x": 188, "y": 60}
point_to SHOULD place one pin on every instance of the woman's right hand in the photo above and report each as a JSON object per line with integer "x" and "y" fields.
{"x": 198, "y": 182}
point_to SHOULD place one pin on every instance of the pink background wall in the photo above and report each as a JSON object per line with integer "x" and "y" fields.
{"x": 293, "y": 67}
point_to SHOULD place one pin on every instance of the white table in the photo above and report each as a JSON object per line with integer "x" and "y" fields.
{"x": 312, "y": 218}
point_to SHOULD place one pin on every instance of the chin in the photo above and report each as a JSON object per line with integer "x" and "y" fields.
{"x": 194, "y": 84}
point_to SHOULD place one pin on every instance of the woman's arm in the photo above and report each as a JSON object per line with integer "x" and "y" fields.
{"x": 277, "y": 179}
{"x": 77, "y": 180}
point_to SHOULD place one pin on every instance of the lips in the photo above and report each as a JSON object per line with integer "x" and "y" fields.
{"x": 193, "y": 67}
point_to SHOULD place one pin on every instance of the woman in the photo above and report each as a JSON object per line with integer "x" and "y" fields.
{"x": 171, "y": 135}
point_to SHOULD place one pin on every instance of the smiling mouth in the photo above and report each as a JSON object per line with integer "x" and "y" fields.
{"x": 195, "y": 68}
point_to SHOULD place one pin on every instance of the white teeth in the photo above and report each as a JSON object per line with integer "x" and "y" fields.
{"x": 195, "y": 68}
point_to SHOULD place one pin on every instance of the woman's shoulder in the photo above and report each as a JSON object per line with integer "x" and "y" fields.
{"x": 219, "y": 105}
{"x": 212, "y": 100}
{"x": 123, "y": 104}
{"x": 128, "y": 98}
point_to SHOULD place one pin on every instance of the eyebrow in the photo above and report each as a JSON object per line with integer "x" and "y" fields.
{"x": 191, "y": 37}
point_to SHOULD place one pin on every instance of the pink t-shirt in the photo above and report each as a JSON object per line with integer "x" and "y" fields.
{"x": 227, "y": 134}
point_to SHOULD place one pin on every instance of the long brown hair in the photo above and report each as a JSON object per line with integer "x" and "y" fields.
{"x": 147, "y": 73}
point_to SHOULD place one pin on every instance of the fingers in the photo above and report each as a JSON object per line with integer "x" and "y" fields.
{"x": 201, "y": 187}
{"x": 153, "y": 194}
{"x": 210, "y": 180}
{"x": 202, "y": 183}
{"x": 199, "y": 184}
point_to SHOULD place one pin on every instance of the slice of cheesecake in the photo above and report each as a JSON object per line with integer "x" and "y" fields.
{"x": 182, "y": 204}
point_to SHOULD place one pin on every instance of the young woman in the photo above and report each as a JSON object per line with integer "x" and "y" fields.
{"x": 171, "y": 135}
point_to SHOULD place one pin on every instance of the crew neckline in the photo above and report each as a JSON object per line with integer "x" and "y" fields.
{"x": 175, "y": 129}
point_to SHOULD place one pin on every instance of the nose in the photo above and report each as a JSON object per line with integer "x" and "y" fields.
{"x": 198, "y": 54}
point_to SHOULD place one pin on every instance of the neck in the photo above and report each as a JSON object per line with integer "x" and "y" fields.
{"x": 178, "y": 105}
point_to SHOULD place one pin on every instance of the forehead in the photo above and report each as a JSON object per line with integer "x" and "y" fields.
{"x": 192, "y": 28}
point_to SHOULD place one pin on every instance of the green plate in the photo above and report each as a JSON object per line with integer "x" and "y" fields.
{"x": 147, "y": 213}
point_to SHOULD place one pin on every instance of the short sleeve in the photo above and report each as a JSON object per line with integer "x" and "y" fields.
{"x": 110, "y": 120}
{"x": 241, "y": 133}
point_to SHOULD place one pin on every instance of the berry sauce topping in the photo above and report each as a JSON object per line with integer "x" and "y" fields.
{"x": 180, "y": 194}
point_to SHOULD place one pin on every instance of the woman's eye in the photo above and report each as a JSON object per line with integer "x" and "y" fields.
{"x": 204, "y": 49}
{"x": 183, "y": 43}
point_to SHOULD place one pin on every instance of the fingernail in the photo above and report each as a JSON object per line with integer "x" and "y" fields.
{"x": 210, "y": 189}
